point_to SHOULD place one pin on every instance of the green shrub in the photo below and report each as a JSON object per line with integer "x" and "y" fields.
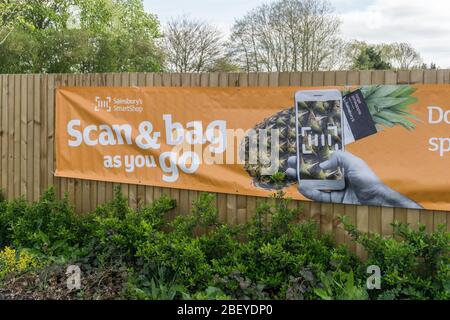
{"x": 196, "y": 256}
{"x": 116, "y": 232}
{"x": 160, "y": 286}
{"x": 415, "y": 267}
{"x": 340, "y": 286}
{"x": 48, "y": 226}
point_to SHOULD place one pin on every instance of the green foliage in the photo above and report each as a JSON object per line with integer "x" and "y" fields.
{"x": 48, "y": 226}
{"x": 417, "y": 267}
{"x": 300, "y": 287}
{"x": 241, "y": 288}
{"x": 80, "y": 36}
{"x": 370, "y": 59}
{"x": 16, "y": 261}
{"x": 117, "y": 231}
{"x": 160, "y": 287}
{"x": 340, "y": 286}
{"x": 210, "y": 293}
{"x": 196, "y": 256}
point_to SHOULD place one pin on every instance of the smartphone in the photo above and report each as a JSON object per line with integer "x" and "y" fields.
{"x": 319, "y": 120}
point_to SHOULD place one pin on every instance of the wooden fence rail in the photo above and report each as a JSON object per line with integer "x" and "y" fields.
{"x": 28, "y": 144}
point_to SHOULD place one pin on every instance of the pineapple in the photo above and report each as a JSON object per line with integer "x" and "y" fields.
{"x": 388, "y": 105}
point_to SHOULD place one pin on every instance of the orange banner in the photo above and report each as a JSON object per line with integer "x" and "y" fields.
{"x": 198, "y": 138}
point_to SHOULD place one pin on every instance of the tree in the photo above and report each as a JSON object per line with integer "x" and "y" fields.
{"x": 82, "y": 36}
{"x": 224, "y": 64}
{"x": 11, "y": 16}
{"x": 370, "y": 59}
{"x": 403, "y": 56}
{"x": 191, "y": 45}
{"x": 359, "y": 54}
{"x": 286, "y": 35}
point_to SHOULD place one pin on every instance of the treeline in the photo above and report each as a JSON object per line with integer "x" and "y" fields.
{"x": 65, "y": 36}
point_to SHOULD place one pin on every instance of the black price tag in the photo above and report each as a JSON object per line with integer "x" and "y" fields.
{"x": 359, "y": 121}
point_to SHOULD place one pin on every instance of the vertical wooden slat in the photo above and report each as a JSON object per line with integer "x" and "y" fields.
{"x": 43, "y": 133}
{"x": 403, "y": 76}
{"x": 430, "y": 76}
{"x": 400, "y": 215}
{"x": 284, "y": 79}
{"x": 416, "y": 76}
{"x": 365, "y": 77}
{"x": 387, "y": 218}
{"x": 390, "y": 77}
{"x": 439, "y": 218}
{"x": 295, "y": 79}
{"x": 329, "y": 78}
{"x": 375, "y": 221}
{"x": 378, "y": 77}
{"x": 341, "y": 78}
{"x": 362, "y": 223}
{"x": 306, "y": 79}
{"x": 6, "y": 110}
{"x": 350, "y": 213}
{"x": 51, "y": 129}
{"x": 413, "y": 218}
{"x": 337, "y": 229}
{"x": 318, "y": 78}
{"x": 23, "y": 136}
{"x": 353, "y": 78}
{"x": 17, "y": 117}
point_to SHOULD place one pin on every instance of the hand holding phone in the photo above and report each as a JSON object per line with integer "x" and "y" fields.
{"x": 319, "y": 134}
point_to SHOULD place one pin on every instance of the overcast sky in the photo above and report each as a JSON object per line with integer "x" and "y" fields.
{"x": 423, "y": 23}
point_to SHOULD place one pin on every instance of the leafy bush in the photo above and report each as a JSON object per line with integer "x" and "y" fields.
{"x": 196, "y": 256}
{"x": 417, "y": 267}
{"x": 340, "y": 286}
{"x": 159, "y": 287}
{"x": 13, "y": 261}
{"x": 48, "y": 226}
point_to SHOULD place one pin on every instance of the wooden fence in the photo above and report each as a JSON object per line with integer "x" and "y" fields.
{"x": 28, "y": 144}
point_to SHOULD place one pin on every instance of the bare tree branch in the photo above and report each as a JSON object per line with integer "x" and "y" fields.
{"x": 286, "y": 35}
{"x": 191, "y": 45}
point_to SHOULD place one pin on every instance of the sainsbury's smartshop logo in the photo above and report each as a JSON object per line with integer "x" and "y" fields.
{"x": 103, "y": 104}
{"x": 116, "y": 104}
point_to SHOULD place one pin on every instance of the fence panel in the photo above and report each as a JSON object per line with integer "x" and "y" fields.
{"x": 27, "y": 152}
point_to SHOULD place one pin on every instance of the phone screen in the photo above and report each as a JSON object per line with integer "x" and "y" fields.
{"x": 320, "y": 134}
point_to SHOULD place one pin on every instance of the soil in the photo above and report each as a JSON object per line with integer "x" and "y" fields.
{"x": 50, "y": 284}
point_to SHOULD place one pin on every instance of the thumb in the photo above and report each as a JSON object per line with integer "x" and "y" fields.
{"x": 332, "y": 163}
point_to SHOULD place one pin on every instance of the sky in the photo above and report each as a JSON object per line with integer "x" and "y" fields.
{"x": 425, "y": 24}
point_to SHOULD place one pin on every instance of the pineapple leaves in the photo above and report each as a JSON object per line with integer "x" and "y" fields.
{"x": 388, "y": 105}
{"x": 396, "y": 118}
